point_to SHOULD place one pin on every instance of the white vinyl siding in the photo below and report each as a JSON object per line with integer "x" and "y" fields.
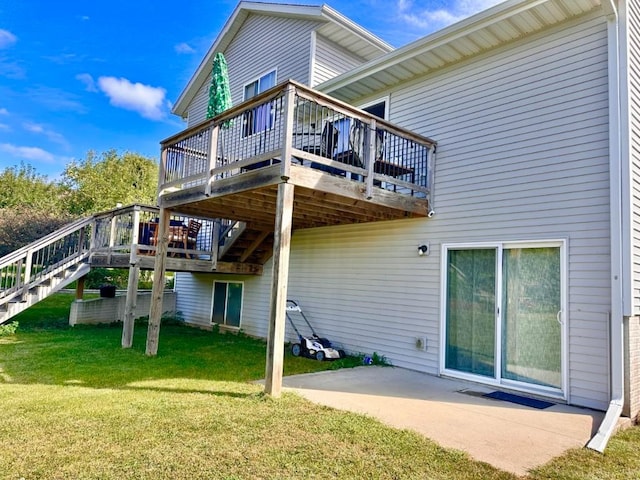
{"x": 195, "y": 297}
{"x": 331, "y": 60}
{"x": 263, "y": 43}
{"x": 522, "y": 155}
{"x": 633, "y": 18}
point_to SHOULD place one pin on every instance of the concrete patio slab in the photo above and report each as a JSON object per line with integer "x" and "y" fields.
{"x": 453, "y": 413}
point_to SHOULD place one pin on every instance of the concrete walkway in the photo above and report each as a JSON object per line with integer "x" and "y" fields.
{"x": 453, "y": 413}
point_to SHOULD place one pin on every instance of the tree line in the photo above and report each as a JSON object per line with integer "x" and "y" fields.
{"x": 31, "y": 205}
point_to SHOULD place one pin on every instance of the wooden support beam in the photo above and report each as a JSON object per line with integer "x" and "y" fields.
{"x": 289, "y": 105}
{"x": 370, "y": 156}
{"x": 178, "y": 265}
{"x": 255, "y": 244}
{"x": 130, "y": 306}
{"x": 215, "y": 244}
{"x": 213, "y": 155}
{"x": 279, "y": 281}
{"x": 80, "y": 287}
{"x": 155, "y": 314}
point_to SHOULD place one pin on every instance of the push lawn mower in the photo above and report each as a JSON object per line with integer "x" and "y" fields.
{"x": 312, "y": 346}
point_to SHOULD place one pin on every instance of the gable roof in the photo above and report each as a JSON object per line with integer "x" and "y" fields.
{"x": 335, "y": 26}
{"x": 488, "y": 29}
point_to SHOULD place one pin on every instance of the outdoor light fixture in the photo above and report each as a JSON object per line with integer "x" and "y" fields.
{"x": 423, "y": 249}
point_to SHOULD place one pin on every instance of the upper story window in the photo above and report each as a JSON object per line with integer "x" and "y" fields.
{"x": 259, "y": 118}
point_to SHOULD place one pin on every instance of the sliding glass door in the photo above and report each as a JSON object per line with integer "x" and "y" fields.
{"x": 471, "y": 311}
{"x": 503, "y": 310}
{"x": 531, "y": 305}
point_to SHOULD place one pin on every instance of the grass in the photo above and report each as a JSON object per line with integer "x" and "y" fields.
{"x": 76, "y": 405}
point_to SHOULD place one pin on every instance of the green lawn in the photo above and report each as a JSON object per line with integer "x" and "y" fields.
{"x": 75, "y": 405}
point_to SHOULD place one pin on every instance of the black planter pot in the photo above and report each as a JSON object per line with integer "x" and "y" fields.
{"x": 108, "y": 291}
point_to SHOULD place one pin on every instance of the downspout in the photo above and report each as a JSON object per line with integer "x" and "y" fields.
{"x": 616, "y": 337}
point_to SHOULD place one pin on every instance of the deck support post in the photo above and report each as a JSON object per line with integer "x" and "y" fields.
{"x": 80, "y": 287}
{"x": 130, "y": 306}
{"x": 279, "y": 281}
{"x": 370, "y": 156}
{"x": 155, "y": 314}
{"x": 132, "y": 285}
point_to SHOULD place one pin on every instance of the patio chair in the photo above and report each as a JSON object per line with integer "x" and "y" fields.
{"x": 328, "y": 144}
{"x": 153, "y": 237}
{"x": 192, "y": 234}
{"x": 185, "y": 237}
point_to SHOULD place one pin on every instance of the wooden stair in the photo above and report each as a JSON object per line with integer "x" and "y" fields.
{"x": 34, "y": 272}
{"x": 251, "y": 245}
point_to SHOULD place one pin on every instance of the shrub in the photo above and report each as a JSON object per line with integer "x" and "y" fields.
{"x": 8, "y": 329}
{"x": 21, "y": 225}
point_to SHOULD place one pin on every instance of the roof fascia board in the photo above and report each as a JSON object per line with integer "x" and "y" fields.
{"x": 242, "y": 10}
{"x": 347, "y": 23}
{"x": 178, "y": 106}
{"x": 474, "y": 23}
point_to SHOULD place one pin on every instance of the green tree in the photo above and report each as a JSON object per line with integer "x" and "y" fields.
{"x": 22, "y": 186}
{"x": 100, "y": 182}
{"x": 21, "y": 225}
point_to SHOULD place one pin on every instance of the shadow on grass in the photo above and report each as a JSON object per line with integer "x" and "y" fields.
{"x": 213, "y": 393}
{"x": 45, "y": 350}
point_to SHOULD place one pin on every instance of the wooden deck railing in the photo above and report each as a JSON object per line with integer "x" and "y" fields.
{"x": 293, "y": 124}
{"x": 132, "y": 230}
{"x": 38, "y": 262}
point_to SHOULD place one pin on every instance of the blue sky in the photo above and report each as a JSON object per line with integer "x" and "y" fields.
{"x": 79, "y": 76}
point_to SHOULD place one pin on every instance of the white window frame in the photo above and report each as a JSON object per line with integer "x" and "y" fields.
{"x": 213, "y": 300}
{"x": 499, "y": 246}
{"x": 254, "y": 128}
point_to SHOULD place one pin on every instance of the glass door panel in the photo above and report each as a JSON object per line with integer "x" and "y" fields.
{"x": 234, "y": 304}
{"x": 531, "y": 300}
{"x": 471, "y": 311}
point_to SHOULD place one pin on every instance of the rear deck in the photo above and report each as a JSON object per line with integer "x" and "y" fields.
{"x": 287, "y": 159}
{"x": 346, "y": 165}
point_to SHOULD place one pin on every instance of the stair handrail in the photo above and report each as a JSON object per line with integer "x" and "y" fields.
{"x": 37, "y": 262}
{"x": 47, "y": 239}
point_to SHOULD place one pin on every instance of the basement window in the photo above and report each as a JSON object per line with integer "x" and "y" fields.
{"x": 227, "y": 304}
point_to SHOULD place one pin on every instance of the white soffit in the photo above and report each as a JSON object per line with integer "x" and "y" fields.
{"x": 503, "y": 23}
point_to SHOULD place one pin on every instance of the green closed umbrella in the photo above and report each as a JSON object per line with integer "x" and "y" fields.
{"x": 219, "y": 92}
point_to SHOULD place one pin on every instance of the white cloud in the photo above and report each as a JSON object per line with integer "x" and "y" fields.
{"x": 65, "y": 58}
{"x": 28, "y": 153}
{"x": 33, "y": 127}
{"x": 42, "y": 130}
{"x": 56, "y": 99}
{"x": 7, "y": 38}
{"x": 184, "y": 48}
{"x": 4, "y": 111}
{"x": 432, "y": 19}
{"x": 4, "y": 127}
{"x": 89, "y": 82}
{"x": 11, "y": 69}
{"x": 148, "y": 101}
